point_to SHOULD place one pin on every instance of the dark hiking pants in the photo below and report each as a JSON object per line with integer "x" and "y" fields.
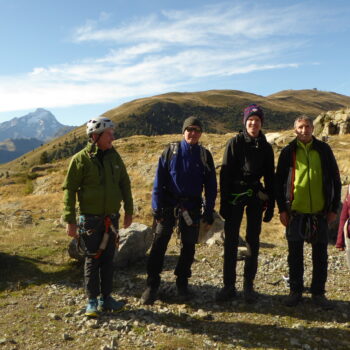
{"x": 295, "y": 235}
{"x": 98, "y": 273}
{"x": 253, "y": 229}
{"x": 189, "y": 237}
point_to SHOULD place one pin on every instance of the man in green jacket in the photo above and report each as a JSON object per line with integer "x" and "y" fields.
{"x": 97, "y": 177}
{"x": 308, "y": 196}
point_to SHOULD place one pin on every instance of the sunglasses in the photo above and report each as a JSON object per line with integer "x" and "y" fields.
{"x": 194, "y": 130}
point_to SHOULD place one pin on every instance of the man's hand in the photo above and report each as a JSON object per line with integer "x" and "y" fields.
{"x": 268, "y": 214}
{"x": 284, "y": 218}
{"x": 331, "y": 217}
{"x": 208, "y": 218}
{"x": 158, "y": 215}
{"x": 71, "y": 230}
{"x": 127, "y": 220}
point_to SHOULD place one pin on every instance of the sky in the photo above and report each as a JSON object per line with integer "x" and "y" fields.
{"x": 80, "y": 58}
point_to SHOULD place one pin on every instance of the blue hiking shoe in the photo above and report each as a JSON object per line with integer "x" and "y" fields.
{"x": 110, "y": 304}
{"x": 91, "y": 308}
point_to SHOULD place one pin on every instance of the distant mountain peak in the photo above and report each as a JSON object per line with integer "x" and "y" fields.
{"x": 40, "y": 124}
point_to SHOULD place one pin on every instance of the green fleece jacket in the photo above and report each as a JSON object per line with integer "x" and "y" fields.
{"x": 100, "y": 185}
{"x": 308, "y": 182}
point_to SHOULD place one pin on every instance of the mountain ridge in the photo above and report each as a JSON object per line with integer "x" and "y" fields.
{"x": 220, "y": 111}
{"x": 22, "y": 134}
{"x": 40, "y": 124}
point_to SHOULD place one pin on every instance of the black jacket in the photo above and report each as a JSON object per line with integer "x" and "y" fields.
{"x": 285, "y": 173}
{"x": 247, "y": 159}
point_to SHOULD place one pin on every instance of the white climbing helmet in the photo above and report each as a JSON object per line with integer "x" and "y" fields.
{"x": 98, "y": 125}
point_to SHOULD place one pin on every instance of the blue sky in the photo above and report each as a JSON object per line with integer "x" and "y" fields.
{"x": 80, "y": 58}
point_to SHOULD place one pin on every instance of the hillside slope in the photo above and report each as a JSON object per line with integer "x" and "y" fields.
{"x": 13, "y": 148}
{"x": 42, "y": 298}
{"x": 220, "y": 110}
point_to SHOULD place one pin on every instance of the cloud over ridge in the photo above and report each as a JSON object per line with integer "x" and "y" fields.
{"x": 167, "y": 51}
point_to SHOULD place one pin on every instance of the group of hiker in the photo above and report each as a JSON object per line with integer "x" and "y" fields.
{"x": 306, "y": 187}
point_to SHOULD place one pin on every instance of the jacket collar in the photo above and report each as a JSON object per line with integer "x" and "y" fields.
{"x": 93, "y": 150}
{"x": 256, "y": 140}
{"x": 187, "y": 147}
{"x": 314, "y": 143}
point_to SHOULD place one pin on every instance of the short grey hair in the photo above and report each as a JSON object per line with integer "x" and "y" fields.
{"x": 305, "y": 118}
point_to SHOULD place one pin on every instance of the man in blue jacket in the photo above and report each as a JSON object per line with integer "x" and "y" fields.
{"x": 184, "y": 170}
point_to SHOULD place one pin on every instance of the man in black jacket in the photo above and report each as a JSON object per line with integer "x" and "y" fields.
{"x": 308, "y": 196}
{"x": 248, "y": 157}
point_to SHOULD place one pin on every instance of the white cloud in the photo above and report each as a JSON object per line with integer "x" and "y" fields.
{"x": 163, "y": 52}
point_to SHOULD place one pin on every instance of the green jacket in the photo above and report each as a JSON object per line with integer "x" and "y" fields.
{"x": 308, "y": 181}
{"x": 100, "y": 188}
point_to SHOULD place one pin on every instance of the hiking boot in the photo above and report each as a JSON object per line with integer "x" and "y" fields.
{"x": 321, "y": 301}
{"x": 91, "y": 308}
{"x": 149, "y": 296}
{"x": 250, "y": 296}
{"x": 184, "y": 294}
{"x": 293, "y": 299}
{"x": 226, "y": 294}
{"x": 110, "y": 304}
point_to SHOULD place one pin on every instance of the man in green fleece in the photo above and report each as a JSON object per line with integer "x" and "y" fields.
{"x": 98, "y": 177}
{"x": 308, "y": 195}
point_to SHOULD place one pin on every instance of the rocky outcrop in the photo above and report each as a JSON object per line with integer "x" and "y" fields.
{"x": 133, "y": 244}
{"x": 333, "y": 123}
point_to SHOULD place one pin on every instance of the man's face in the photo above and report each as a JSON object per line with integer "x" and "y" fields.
{"x": 105, "y": 140}
{"x": 192, "y": 134}
{"x": 304, "y": 130}
{"x": 253, "y": 126}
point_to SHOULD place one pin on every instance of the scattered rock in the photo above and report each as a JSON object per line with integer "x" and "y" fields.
{"x": 66, "y": 336}
{"x": 54, "y": 316}
{"x": 133, "y": 244}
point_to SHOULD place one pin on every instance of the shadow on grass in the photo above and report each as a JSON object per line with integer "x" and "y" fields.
{"x": 17, "y": 271}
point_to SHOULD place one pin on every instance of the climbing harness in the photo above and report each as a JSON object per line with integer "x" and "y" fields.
{"x": 310, "y": 228}
{"x": 109, "y": 229}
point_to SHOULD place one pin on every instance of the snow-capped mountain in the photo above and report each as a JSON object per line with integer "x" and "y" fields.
{"x": 41, "y": 125}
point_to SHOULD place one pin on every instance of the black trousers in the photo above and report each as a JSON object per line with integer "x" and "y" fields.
{"x": 232, "y": 226}
{"x": 295, "y": 236}
{"x": 189, "y": 237}
{"x": 98, "y": 273}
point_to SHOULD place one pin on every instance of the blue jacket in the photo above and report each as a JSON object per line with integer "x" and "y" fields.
{"x": 183, "y": 180}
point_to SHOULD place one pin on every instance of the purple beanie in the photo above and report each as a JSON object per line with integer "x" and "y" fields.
{"x": 253, "y": 109}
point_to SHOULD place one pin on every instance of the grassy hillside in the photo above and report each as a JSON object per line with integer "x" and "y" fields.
{"x": 40, "y": 186}
{"x": 311, "y": 101}
{"x": 41, "y": 294}
{"x": 220, "y": 110}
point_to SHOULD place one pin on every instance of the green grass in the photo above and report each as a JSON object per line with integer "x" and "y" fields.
{"x": 36, "y": 255}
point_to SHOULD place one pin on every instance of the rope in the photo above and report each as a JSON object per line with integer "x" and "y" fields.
{"x": 248, "y": 193}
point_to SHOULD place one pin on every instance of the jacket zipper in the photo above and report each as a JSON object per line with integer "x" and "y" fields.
{"x": 308, "y": 177}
